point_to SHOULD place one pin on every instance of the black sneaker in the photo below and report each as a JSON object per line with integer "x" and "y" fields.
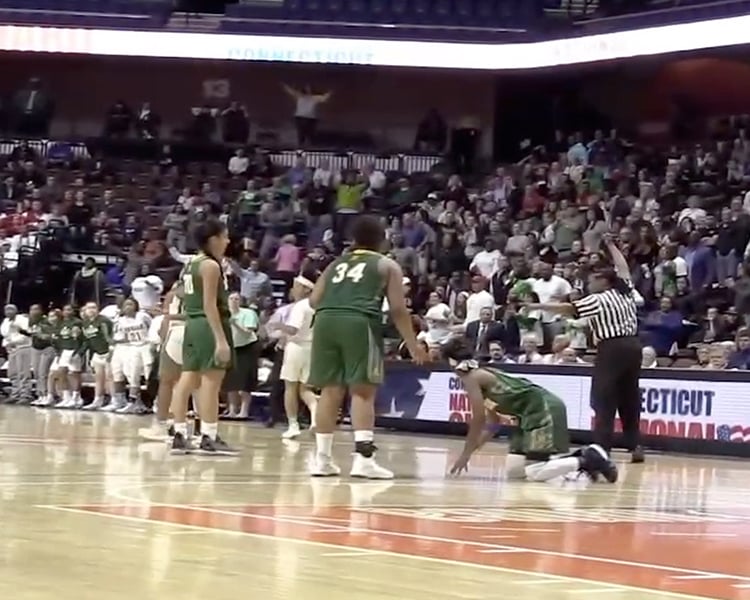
{"x": 215, "y": 447}
{"x": 171, "y": 432}
{"x": 637, "y": 456}
{"x": 180, "y": 445}
{"x": 595, "y": 461}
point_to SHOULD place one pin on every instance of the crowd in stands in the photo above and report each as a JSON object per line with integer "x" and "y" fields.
{"x": 473, "y": 249}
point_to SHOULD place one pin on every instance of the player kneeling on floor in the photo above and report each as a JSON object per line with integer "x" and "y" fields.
{"x": 539, "y": 448}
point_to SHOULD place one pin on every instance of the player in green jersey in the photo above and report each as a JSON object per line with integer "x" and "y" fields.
{"x": 97, "y": 345}
{"x": 347, "y": 345}
{"x": 67, "y": 365}
{"x": 207, "y": 342}
{"x": 42, "y": 352}
{"x": 539, "y": 447}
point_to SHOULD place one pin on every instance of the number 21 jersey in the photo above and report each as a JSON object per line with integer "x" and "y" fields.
{"x": 132, "y": 331}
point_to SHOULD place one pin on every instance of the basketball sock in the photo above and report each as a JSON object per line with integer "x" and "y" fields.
{"x": 293, "y": 422}
{"x": 364, "y": 436}
{"x": 66, "y": 395}
{"x": 210, "y": 429}
{"x": 363, "y": 443}
{"x": 557, "y": 467}
{"x": 181, "y": 428}
{"x": 324, "y": 444}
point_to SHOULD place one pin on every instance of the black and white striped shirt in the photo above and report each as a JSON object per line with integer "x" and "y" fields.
{"x": 610, "y": 314}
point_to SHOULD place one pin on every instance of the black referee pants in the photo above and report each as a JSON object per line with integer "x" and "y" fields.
{"x": 615, "y": 389}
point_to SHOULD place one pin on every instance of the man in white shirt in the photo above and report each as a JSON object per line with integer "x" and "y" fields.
{"x": 693, "y": 211}
{"x": 324, "y": 176}
{"x": 479, "y": 298}
{"x": 485, "y": 261}
{"x": 147, "y": 291}
{"x": 239, "y": 163}
{"x": 376, "y": 179}
{"x": 551, "y": 288}
{"x": 295, "y": 368}
{"x": 17, "y": 343}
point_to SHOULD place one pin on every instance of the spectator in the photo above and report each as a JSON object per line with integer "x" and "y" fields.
{"x": 717, "y": 358}
{"x": 118, "y": 121}
{"x": 550, "y": 288}
{"x": 349, "y": 194}
{"x": 31, "y": 110}
{"x": 432, "y": 133}
{"x": 714, "y": 328}
{"x": 254, "y": 283}
{"x": 664, "y": 328}
{"x": 485, "y": 261}
{"x": 700, "y": 262}
{"x": 376, "y": 179}
{"x": 498, "y": 354}
{"x": 324, "y": 176}
{"x": 306, "y": 112}
{"x": 87, "y": 285}
{"x": 287, "y": 259}
{"x": 235, "y": 124}
{"x": 740, "y": 358}
{"x": 239, "y": 163}
{"x": 648, "y": 360}
{"x": 438, "y": 319}
{"x": 147, "y": 123}
{"x": 530, "y": 355}
{"x": 479, "y": 298}
{"x": 114, "y": 278}
{"x": 483, "y": 331}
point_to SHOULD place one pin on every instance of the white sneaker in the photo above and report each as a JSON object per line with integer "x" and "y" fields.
{"x": 292, "y": 432}
{"x": 47, "y": 401}
{"x": 127, "y": 409}
{"x": 78, "y": 402}
{"x": 66, "y": 403}
{"x": 112, "y": 406}
{"x": 367, "y": 468}
{"x": 95, "y": 405}
{"x": 155, "y": 433}
{"x": 323, "y": 466}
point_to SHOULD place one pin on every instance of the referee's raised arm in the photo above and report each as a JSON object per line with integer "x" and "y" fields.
{"x": 611, "y": 311}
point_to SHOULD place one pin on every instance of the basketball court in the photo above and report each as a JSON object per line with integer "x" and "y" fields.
{"x": 88, "y": 511}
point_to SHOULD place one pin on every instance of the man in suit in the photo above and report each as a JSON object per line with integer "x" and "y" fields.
{"x": 483, "y": 331}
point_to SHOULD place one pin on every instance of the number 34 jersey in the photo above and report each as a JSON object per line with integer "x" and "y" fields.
{"x": 354, "y": 284}
{"x": 132, "y": 331}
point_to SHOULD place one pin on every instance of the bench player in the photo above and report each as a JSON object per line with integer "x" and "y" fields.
{"x": 131, "y": 359}
{"x": 97, "y": 344}
{"x": 539, "y": 448}
{"x": 207, "y": 343}
{"x": 67, "y": 365}
{"x": 347, "y": 344}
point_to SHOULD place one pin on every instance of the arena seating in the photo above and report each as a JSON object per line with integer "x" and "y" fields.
{"x": 114, "y": 14}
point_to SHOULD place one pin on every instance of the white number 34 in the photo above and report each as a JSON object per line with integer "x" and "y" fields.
{"x": 347, "y": 271}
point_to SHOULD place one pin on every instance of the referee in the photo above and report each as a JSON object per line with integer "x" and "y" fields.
{"x": 611, "y": 311}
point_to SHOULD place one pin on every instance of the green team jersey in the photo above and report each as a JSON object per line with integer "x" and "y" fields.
{"x": 68, "y": 335}
{"x": 41, "y": 331}
{"x": 354, "y": 284}
{"x": 192, "y": 281}
{"x": 97, "y": 335}
{"x": 514, "y": 396}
